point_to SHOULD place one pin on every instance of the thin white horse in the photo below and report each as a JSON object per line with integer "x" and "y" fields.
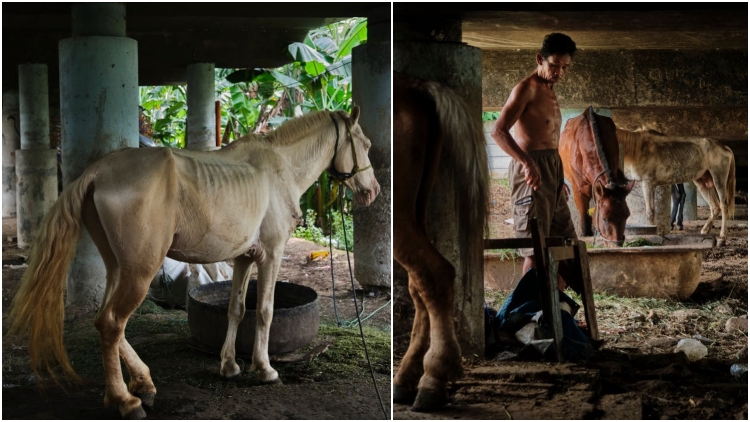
{"x": 656, "y": 159}
{"x": 140, "y": 205}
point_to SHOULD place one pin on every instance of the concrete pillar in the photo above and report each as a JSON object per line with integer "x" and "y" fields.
{"x": 201, "y": 97}
{"x": 459, "y": 67}
{"x": 662, "y": 208}
{"x": 371, "y": 91}
{"x": 36, "y": 163}
{"x": 691, "y": 202}
{"x": 99, "y": 114}
{"x": 11, "y": 142}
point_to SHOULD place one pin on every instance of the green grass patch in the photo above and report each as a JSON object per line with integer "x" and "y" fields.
{"x": 501, "y": 182}
{"x": 639, "y": 242}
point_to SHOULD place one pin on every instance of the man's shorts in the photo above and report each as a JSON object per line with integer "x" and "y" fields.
{"x": 547, "y": 203}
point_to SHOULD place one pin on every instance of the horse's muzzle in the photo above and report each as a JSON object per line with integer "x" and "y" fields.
{"x": 366, "y": 196}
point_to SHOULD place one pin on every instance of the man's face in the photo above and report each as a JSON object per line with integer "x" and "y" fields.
{"x": 553, "y": 68}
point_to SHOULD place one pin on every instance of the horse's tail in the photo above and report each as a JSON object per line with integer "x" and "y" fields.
{"x": 465, "y": 145}
{"x": 38, "y": 306}
{"x": 731, "y": 186}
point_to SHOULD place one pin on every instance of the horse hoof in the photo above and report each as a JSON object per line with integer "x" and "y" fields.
{"x": 721, "y": 242}
{"x": 403, "y": 395}
{"x": 147, "y": 399}
{"x": 428, "y": 400}
{"x": 274, "y": 381}
{"x": 136, "y": 413}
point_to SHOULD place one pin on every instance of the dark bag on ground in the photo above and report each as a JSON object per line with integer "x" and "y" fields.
{"x": 524, "y": 303}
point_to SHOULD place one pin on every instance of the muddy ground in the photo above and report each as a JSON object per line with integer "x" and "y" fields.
{"x": 335, "y": 384}
{"x": 636, "y": 374}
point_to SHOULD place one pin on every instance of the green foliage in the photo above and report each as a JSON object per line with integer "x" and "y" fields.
{"x": 255, "y": 100}
{"x": 490, "y": 116}
{"x": 166, "y": 108}
{"x": 310, "y": 231}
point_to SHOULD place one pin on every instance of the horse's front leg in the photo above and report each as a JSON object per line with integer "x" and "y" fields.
{"x": 267, "y": 272}
{"x": 235, "y": 313}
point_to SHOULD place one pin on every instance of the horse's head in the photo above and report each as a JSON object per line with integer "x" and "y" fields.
{"x": 612, "y": 211}
{"x": 351, "y": 163}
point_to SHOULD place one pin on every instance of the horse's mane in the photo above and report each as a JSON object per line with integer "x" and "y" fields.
{"x": 300, "y": 127}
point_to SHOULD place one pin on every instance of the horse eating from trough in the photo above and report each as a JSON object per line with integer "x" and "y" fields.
{"x": 590, "y": 156}
{"x": 657, "y": 159}
{"x": 140, "y": 205}
{"x": 431, "y": 120}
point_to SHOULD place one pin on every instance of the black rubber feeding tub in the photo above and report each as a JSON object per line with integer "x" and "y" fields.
{"x": 296, "y": 317}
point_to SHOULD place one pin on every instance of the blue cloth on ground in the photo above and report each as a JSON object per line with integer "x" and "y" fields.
{"x": 524, "y": 302}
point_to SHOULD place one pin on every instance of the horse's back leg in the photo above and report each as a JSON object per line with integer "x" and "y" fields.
{"x": 131, "y": 264}
{"x": 720, "y": 176}
{"x": 431, "y": 276}
{"x": 235, "y": 313}
{"x": 709, "y": 194}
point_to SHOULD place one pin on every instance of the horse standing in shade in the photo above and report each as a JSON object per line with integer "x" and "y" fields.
{"x": 140, "y": 205}
{"x": 657, "y": 159}
{"x": 590, "y": 156}
{"x": 431, "y": 120}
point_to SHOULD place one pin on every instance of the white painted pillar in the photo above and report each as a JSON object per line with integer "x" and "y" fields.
{"x": 11, "y": 142}
{"x": 36, "y": 163}
{"x": 201, "y": 114}
{"x": 99, "y": 114}
{"x": 371, "y": 91}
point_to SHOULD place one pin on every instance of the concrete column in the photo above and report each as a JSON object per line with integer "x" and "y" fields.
{"x": 99, "y": 114}
{"x": 11, "y": 142}
{"x": 459, "y": 67}
{"x": 371, "y": 91}
{"x": 691, "y": 202}
{"x": 662, "y": 208}
{"x": 36, "y": 163}
{"x": 201, "y": 96}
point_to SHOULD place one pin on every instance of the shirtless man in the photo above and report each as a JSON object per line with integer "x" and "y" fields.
{"x": 536, "y": 173}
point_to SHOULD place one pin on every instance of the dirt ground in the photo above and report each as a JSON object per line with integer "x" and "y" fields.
{"x": 636, "y": 374}
{"x": 336, "y": 384}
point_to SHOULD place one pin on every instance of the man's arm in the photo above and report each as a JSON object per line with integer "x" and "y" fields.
{"x": 512, "y": 111}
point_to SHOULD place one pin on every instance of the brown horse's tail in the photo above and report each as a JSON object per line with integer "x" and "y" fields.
{"x": 465, "y": 145}
{"x": 731, "y": 186}
{"x": 38, "y": 306}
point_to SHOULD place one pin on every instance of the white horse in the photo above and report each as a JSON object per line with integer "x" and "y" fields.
{"x": 656, "y": 159}
{"x": 140, "y": 205}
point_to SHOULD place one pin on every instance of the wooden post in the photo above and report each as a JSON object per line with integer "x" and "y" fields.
{"x": 218, "y": 122}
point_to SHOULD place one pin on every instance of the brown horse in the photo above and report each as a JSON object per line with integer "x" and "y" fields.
{"x": 657, "y": 159}
{"x": 140, "y": 205}
{"x": 430, "y": 120}
{"x": 589, "y": 152}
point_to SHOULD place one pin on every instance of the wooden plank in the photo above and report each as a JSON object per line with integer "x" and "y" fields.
{"x": 582, "y": 258}
{"x": 561, "y": 253}
{"x": 554, "y": 317}
{"x": 547, "y": 275}
{"x": 513, "y": 243}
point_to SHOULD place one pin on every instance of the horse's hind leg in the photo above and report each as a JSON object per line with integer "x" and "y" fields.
{"x": 130, "y": 268}
{"x": 709, "y": 194}
{"x": 432, "y": 277}
{"x": 235, "y": 313}
{"x": 406, "y": 381}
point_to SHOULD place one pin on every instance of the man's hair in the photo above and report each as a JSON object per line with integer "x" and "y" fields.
{"x": 557, "y": 43}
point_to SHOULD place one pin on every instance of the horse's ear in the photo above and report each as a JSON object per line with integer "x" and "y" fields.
{"x": 355, "y": 115}
{"x": 629, "y": 186}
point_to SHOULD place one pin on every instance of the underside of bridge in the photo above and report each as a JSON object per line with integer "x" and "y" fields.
{"x": 680, "y": 69}
{"x": 84, "y": 62}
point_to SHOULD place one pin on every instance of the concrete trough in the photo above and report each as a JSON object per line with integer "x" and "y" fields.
{"x": 670, "y": 270}
{"x": 296, "y": 317}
